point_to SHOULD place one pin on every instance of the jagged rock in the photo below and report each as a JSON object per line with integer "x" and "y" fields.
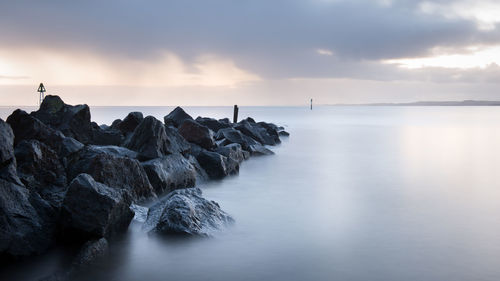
{"x": 72, "y": 121}
{"x": 272, "y": 131}
{"x": 27, "y": 127}
{"x": 24, "y": 226}
{"x": 90, "y": 253}
{"x": 176, "y": 117}
{"x": 216, "y": 165}
{"x": 201, "y": 174}
{"x": 225, "y": 120}
{"x": 231, "y": 135}
{"x": 106, "y": 136}
{"x": 233, "y": 151}
{"x": 256, "y": 132}
{"x": 259, "y": 150}
{"x": 169, "y": 173}
{"x": 41, "y": 170}
{"x": 93, "y": 210}
{"x": 130, "y": 122}
{"x": 7, "y": 158}
{"x": 198, "y": 134}
{"x": 114, "y": 150}
{"x": 120, "y": 172}
{"x": 284, "y": 133}
{"x": 213, "y": 124}
{"x": 185, "y": 211}
{"x": 250, "y": 120}
{"x": 177, "y": 142}
{"x": 151, "y": 141}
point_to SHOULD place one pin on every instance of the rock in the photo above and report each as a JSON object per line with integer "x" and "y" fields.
{"x": 259, "y": 150}
{"x": 93, "y": 210}
{"x": 234, "y": 152}
{"x": 225, "y": 120}
{"x": 23, "y": 229}
{"x": 176, "y": 117}
{"x": 201, "y": 174}
{"x": 284, "y": 133}
{"x": 256, "y": 132}
{"x": 107, "y": 136}
{"x": 141, "y": 212}
{"x": 271, "y": 130}
{"x": 185, "y": 211}
{"x": 212, "y": 123}
{"x": 72, "y": 121}
{"x": 216, "y": 165}
{"x": 27, "y": 127}
{"x": 7, "y": 158}
{"x": 151, "y": 141}
{"x": 198, "y": 134}
{"x": 130, "y": 122}
{"x": 250, "y": 120}
{"x": 234, "y": 136}
{"x": 114, "y": 150}
{"x": 169, "y": 173}
{"x": 41, "y": 170}
{"x": 177, "y": 142}
{"x": 119, "y": 172}
{"x": 90, "y": 253}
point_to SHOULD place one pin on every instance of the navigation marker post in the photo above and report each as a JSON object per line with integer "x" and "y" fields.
{"x": 41, "y": 90}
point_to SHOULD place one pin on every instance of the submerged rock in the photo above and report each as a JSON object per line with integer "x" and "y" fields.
{"x": 185, "y": 211}
{"x": 170, "y": 172}
{"x": 93, "y": 210}
{"x": 198, "y": 134}
{"x": 176, "y": 117}
{"x": 90, "y": 253}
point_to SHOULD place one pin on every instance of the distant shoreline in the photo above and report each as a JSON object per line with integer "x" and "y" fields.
{"x": 431, "y": 103}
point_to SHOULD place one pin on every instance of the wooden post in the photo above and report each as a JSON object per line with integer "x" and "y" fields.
{"x": 235, "y": 114}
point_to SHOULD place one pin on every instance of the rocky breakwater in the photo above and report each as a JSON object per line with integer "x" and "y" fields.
{"x": 65, "y": 179}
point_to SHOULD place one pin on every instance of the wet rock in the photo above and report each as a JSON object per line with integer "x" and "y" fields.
{"x": 23, "y": 228}
{"x": 151, "y": 141}
{"x": 272, "y": 131}
{"x": 177, "y": 142}
{"x": 213, "y": 124}
{"x": 7, "y": 158}
{"x": 169, "y": 173}
{"x": 198, "y": 134}
{"x": 185, "y": 211}
{"x": 130, "y": 122}
{"x": 234, "y": 136}
{"x": 284, "y": 133}
{"x": 106, "y": 136}
{"x": 26, "y": 127}
{"x": 72, "y": 120}
{"x": 114, "y": 170}
{"x": 256, "y": 132}
{"x": 176, "y": 117}
{"x": 114, "y": 150}
{"x": 41, "y": 170}
{"x": 216, "y": 165}
{"x": 259, "y": 150}
{"x": 90, "y": 253}
{"x": 233, "y": 151}
{"x": 201, "y": 174}
{"x": 93, "y": 210}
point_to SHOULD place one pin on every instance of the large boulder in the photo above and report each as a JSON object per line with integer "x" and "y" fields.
{"x": 72, "y": 121}
{"x": 25, "y": 225}
{"x": 213, "y": 124}
{"x": 170, "y": 172}
{"x": 271, "y": 130}
{"x": 234, "y": 152}
{"x": 198, "y": 134}
{"x": 130, "y": 122}
{"x": 41, "y": 170}
{"x": 176, "y": 117}
{"x": 256, "y": 132}
{"x": 103, "y": 135}
{"x": 216, "y": 165}
{"x": 27, "y": 127}
{"x": 185, "y": 211}
{"x": 7, "y": 158}
{"x": 119, "y": 172}
{"x": 151, "y": 141}
{"x": 93, "y": 210}
{"x": 230, "y": 135}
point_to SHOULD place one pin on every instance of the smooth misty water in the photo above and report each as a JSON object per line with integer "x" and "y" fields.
{"x": 356, "y": 193}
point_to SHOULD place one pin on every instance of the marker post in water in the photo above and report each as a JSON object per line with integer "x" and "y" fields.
{"x": 235, "y": 114}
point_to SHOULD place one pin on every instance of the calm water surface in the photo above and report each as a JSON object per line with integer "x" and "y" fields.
{"x": 355, "y": 193}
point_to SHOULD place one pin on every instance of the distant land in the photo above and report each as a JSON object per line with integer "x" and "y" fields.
{"x": 436, "y": 103}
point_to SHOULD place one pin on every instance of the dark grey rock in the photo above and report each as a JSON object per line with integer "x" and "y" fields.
{"x": 256, "y": 132}
{"x": 198, "y": 134}
{"x": 90, "y": 253}
{"x": 24, "y": 229}
{"x": 151, "y": 141}
{"x": 213, "y": 124}
{"x": 259, "y": 150}
{"x": 7, "y": 158}
{"x": 170, "y": 172}
{"x": 201, "y": 174}
{"x": 108, "y": 136}
{"x": 130, "y": 122}
{"x": 233, "y": 151}
{"x": 72, "y": 121}
{"x": 272, "y": 131}
{"x": 185, "y": 211}
{"x": 216, "y": 165}
{"x": 284, "y": 133}
{"x": 114, "y": 150}
{"x": 234, "y": 136}
{"x": 120, "y": 172}
{"x": 176, "y": 117}
{"x": 93, "y": 210}
{"x": 41, "y": 170}
{"x": 177, "y": 142}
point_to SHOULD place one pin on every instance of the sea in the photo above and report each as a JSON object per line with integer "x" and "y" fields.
{"x": 374, "y": 193}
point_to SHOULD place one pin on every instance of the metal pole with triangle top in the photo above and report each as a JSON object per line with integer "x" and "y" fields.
{"x": 41, "y": 90}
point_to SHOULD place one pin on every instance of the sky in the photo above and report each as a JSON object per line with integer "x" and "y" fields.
{"x": 259, "y": 52}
